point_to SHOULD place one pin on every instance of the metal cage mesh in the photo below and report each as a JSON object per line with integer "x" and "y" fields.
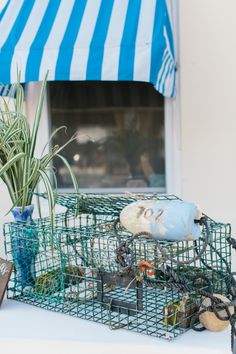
{"x": 77, "y": 273}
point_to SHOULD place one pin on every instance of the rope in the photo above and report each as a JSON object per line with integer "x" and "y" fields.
{"x": 125, "y": 258}
{"x": 230, "y": 281}
{"x": 181, "y": 283}
{"x": 232, "y": 242}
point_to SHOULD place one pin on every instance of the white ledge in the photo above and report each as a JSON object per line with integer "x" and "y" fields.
{"x": 25, "y": 329}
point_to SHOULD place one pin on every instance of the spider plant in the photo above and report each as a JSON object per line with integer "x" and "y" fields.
{"x": 20, "y": 169}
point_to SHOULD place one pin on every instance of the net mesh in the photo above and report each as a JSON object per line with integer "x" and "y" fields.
{"x": 75, "y": 270}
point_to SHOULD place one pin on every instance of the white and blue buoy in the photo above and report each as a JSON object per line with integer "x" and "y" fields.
{"x": 172, "y": 220}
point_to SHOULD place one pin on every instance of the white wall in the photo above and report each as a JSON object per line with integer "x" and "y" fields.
{"x": 208, "y": 105}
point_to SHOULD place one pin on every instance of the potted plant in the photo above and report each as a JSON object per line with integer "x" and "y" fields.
{"x": 22, "y": 171}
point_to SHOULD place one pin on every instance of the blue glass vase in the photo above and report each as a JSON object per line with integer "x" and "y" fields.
{"x": 25, "y": 246}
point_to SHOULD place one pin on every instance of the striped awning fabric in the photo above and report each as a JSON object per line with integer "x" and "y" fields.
{"x": 4, "y": 90}
{"x": 9, "y": 90}
{"x": 127, "y": 40}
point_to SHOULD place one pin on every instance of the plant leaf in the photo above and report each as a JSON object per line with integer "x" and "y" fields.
{"x": 11, "y": 162}
{"x": 73, "y": 178}
{"x": 37, "y": 118}
{"x": 52, "y": 135}
{"x": 51, "y": 201}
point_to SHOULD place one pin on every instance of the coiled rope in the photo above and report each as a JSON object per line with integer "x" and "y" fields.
{"x": 125, "y": 258}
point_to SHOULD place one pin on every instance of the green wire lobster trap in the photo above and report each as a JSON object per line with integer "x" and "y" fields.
{"x": 81, "y": 273}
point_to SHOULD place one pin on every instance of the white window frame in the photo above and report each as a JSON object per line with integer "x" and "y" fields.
{"x": 173, "y": 118}
{"x": 172, "y": 124}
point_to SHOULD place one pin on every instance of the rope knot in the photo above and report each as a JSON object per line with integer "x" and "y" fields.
{"x": 201, "y": 221}
{"x": 124, "y": 256}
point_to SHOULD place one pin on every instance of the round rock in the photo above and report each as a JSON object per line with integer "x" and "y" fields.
{"x": 209, "y": 320}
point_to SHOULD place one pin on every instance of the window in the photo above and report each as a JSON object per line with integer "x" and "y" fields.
{"x": 120, "y": 127}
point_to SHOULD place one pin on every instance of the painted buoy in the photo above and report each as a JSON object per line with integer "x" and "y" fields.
{"x": 209, "y": 320}
{"x": 171, "y": 220}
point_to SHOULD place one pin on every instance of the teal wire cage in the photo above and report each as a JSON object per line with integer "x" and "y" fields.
{"x": 76, "y": 271}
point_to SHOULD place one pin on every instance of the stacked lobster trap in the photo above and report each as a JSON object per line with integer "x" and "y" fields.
{"x": 94, "y": 268}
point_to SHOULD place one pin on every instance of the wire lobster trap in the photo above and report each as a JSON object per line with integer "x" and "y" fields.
{"x": 157, "y": 291}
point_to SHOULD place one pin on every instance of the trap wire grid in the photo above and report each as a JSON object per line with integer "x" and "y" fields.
{"x": 80, "y": 276}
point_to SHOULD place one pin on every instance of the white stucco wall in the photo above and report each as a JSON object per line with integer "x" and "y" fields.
{"x": 207, "y": 46}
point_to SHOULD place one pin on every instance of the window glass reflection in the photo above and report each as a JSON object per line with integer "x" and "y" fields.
{"x": 120, "y": 133}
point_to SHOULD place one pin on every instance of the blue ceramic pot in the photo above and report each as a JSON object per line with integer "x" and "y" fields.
{"x": 25, "y": 245}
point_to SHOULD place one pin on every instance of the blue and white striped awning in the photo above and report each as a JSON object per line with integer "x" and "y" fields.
{"x": 9, "y": 90}
{"x": 88, "y": 40}
{"x": 4, "y": 90}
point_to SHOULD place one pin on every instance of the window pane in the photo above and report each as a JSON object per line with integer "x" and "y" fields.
{"x": 120, "y": 128}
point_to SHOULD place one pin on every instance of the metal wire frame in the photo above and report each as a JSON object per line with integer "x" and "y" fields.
{"x": 74, "y": 279}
